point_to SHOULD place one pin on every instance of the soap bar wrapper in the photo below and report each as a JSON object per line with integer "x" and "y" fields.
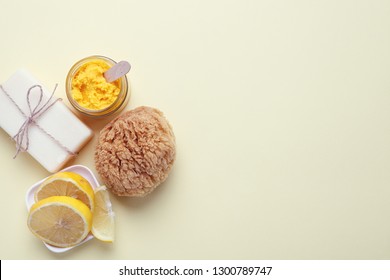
{"x": 58, "y": 122}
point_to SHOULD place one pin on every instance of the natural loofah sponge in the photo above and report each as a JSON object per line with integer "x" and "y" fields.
{"x": 135, "y": 152}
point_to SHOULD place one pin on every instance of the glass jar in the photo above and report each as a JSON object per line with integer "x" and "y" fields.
{"x": 116, "y": 106}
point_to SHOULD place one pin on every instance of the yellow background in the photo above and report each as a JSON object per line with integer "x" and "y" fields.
{"x": 281, "y": 111}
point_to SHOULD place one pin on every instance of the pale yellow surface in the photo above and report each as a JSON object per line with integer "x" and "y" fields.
{"x": 281, "y": 111}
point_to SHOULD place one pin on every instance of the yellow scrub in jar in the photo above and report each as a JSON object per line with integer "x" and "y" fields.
{"x": 89, "y": 92}
{"x": 90, "y": 89}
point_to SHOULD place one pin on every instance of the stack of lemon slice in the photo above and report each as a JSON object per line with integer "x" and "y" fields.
{"x": 67, "y": 209}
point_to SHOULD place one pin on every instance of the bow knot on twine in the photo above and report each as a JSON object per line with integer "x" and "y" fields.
{"x": 34, "y": 112}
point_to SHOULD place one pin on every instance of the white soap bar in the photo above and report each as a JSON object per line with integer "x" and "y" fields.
{"x": 58, "y": 121}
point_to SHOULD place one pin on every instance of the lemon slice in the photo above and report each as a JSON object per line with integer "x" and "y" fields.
{"x": 66, "y": 184}
{"x": 60, "y": 221}
{"x": 103, "y": 225}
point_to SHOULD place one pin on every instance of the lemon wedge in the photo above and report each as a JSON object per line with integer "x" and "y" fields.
{"x": 67, "y": 184}
{"x": 60, "y": 221}
{"x": 103, "y": 221}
